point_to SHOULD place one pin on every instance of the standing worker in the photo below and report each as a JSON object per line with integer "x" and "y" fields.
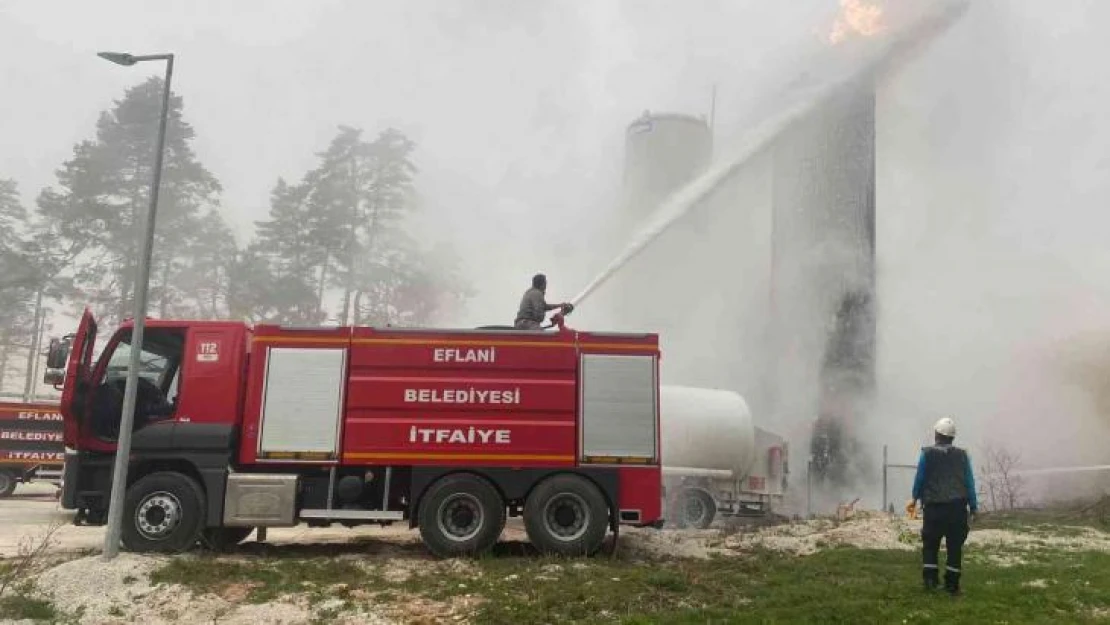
{"x": 945, "y": 485}
{"x": 533, "y": 306}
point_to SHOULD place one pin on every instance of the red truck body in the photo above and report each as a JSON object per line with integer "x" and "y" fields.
{"x": 275, "y": 426}
{"x": 30, "y": 443}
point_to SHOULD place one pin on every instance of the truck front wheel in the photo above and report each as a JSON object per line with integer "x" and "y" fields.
{"x": 7, "y": 483}
{"x": 163, "y": 512}
{"x": 566, "y": 515}
{"x": 461, "y": 515}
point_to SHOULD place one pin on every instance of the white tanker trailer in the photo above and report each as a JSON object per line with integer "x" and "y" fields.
{"x": 715, "y": 460}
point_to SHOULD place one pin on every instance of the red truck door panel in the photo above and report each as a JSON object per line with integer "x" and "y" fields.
{"x": 211, "y": 378}
{"x": 77, "y": 370}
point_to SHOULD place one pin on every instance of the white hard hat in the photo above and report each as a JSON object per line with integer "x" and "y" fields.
{"x": 945, "y": 427}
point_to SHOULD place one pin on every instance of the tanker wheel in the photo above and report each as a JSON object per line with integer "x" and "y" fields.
{"x": 697, "y": 509}
{"x": 224, "y": 538}
{"x": 163, "y": 512}
{"x": 7, "y": 483}
{"x": 566, "y": 515}
{"x": 461, "y": 515}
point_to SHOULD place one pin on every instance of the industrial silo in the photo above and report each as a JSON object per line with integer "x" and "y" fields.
{"x": 663, "y": 152}
{"x": 685, "y": 284}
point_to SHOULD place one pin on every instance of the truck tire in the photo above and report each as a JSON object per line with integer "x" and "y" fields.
{"x": 224, "y": 538}
{"x": 461, "y": 515}
{"x": 7, "y": 483}
{"x": 696, "y": 509}
{"x": 566, "y": 515}
{"x": 163, "y": 512}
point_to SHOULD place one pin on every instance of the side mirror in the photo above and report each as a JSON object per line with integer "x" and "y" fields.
{"x": 54, "y": 377}
{"x": 58, "y": 354}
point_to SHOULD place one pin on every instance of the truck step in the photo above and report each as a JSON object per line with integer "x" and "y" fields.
{"x": 352, "y": 515}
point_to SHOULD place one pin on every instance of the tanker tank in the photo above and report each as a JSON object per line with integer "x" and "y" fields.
{"x": 706, "y": 430}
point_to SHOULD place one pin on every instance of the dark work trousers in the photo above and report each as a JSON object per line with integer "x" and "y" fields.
{"x": 947, "y": 521}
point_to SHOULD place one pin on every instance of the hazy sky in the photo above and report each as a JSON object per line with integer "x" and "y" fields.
{"x": 993, "y": 187}
{"x": 518, "y": 108}
{"x": 993, "y": 168}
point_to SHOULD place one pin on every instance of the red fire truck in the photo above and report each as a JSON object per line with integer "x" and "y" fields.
{"x": 241, "y": 427}
{"x": 30, "y": 444}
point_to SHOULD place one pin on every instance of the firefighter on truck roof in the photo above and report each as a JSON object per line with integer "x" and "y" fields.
{"x": 945, "y": 485}
{"x": 533, "y": 306}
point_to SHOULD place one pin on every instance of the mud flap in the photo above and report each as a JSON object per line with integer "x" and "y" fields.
{"x": 612, "y": 551}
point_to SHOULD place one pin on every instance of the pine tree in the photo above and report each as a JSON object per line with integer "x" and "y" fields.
{"x": 284, "y": 269}
{"x": 343, "y": 227}
{"x": 361, "y": 191}
{"x": 21, "y": 280}
{"x": 99, "y": 209}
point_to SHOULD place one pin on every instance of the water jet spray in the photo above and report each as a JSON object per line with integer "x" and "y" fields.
{"x": 801, "y": 103}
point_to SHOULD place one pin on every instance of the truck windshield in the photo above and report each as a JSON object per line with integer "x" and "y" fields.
{"x": 152, "y": 366}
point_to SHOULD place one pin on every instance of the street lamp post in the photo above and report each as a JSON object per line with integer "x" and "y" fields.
{"x": 142, "y": 279}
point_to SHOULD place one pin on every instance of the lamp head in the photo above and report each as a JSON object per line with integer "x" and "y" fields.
{"x": 119, "y": 58}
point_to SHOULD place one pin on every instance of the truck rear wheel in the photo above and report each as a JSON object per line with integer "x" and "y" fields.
{"x": 566, "y": 515}
{"x": 163, "y": 512}
{"x": 224, "y": 538}
{"x": 461, "y": 515}
{"x": 7, "y": 483}
{"x": 697, "y": 509}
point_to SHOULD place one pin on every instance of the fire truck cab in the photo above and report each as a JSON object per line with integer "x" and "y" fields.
{"x": 240, "y": 427}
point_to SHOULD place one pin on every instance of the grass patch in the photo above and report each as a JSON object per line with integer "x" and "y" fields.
{"x": 1066, "y": 521}
{"x": 259, "y": 580}
{"x": 838, "y": 585}
{"x": 21, "y": 606}
{"x": 842, "y": 585}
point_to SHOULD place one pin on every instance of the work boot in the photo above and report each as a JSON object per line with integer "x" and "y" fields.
{"x": 952, "y": 583}
{"x": 931, "y": 579}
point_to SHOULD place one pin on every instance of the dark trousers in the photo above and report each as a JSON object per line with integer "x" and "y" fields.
{"x": 947, "y": 521}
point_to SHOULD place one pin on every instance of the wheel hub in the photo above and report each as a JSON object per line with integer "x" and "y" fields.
{"x": 158, "y": 515}
{"x": 460, "y": 517}
{"x": 566, "y": 516}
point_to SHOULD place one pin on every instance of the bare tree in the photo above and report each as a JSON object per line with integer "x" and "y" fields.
{"x": 999, "y": 483}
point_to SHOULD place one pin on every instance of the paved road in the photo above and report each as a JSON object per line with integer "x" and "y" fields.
{"x": 34, "y": 509}
{"x": 30, "y": 512}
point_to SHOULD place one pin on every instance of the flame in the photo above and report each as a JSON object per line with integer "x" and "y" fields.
{"x": 857, "y": 17}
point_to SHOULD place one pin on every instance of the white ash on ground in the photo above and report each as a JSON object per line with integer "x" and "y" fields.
{"x": 93, "y": 590}
{"x": 863, "y": 530}
{"x": 669, "y": 543}
{"x": 401, "y": 569}
{"x": 873, "y": 531}
{"x": 1080, "y": 539}
{"x": 96, "y": 588}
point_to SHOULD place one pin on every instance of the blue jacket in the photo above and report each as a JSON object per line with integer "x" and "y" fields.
{"x": 969, "y": 481}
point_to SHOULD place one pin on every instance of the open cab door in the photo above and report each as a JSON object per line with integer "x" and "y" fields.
{"x": 78, "y": 366}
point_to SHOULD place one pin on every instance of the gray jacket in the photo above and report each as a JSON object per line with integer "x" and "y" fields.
{"x": 533, "y": 306}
